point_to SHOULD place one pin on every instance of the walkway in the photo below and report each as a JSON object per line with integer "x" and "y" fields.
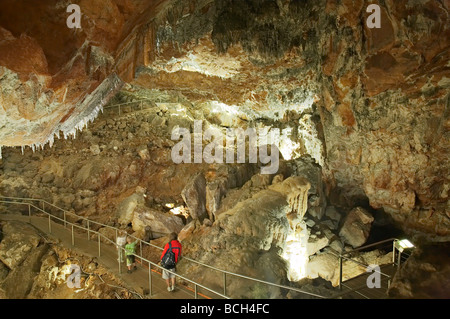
{"x": 146, "y": 280}
{"x": 357, "y": 288}
{"x": 138, "y": 280}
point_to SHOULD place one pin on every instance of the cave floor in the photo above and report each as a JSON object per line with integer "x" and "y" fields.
{"x": 357, "y": 287}
{"x": 137, "y": 280}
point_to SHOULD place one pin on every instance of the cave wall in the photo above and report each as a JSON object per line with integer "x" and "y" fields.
{"x": 382, "y": 94}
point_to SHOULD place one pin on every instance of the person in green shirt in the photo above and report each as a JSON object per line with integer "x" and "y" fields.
{"x": 130, "y": 250}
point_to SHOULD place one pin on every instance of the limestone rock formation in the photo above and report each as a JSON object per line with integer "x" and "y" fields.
{"x": 356, "y": 227}
{"x": 158, "y": 223}
{"x": 254, "y": 229}
{"x": 42, "y": 269}
{"x": 143, "y": 219}
{"x": 126, "y": 209}
{"x": 424, "y": 275}
{"x": 18, "y": 242}
{"x": 194, "y": 195}
{"x": 295, "y": 188}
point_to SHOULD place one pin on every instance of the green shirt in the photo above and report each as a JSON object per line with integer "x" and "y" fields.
{"x": 130, "y": 248}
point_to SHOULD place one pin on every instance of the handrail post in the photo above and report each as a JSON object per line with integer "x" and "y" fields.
{"x": 88, "y": 230}
{"x": 118, "y": 259}
{"x": 64, "y": 219}
{"x": 99, "y": 244}
{"x": 393, "y": 252}
{"x": 49, "y": 224}
{"x": 340, "y": 272}
{"x": 141, "y": 255}
{"x": 224, "y": 283}
{"x": 73, "y": 237}
{"x": 29, "y": 212}
{"x": 150, "y": 279}
{"x": 195, "y": 290}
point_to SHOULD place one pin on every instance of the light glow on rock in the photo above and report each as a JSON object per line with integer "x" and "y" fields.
{"x": 295, "y": 252}
{"x": 288, "y": 148}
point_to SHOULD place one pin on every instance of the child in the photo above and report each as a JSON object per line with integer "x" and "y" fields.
{"x": 130, "y": 250}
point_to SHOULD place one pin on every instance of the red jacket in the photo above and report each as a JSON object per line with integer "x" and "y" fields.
{"x": 176, "y": 248}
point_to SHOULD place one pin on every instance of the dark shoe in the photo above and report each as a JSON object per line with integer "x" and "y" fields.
{"x": 129, "y": 271}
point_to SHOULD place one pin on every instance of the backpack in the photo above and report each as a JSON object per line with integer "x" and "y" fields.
{"x": 168, "y": 260}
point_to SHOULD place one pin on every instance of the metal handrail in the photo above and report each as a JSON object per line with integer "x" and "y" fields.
{"x": 368, "y": 246}
{"x": 343, "y": 256}
{"x": 141, "y": 102}
{"x": 88, "y": 229}
{"x": 99, "y": 235}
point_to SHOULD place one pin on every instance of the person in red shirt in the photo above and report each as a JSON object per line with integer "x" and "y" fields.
{"x": 176, "y": 248}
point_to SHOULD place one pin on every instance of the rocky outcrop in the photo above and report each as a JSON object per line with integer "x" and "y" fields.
{"x": 249, "y": 238}
{"x": 424, "y": 275}
{"x": 34, "y": 266}
{"x": 25, "y": 274}
{"x": 21, "y": 251}
{"x": 143, "y": 219}
{"x": 156, "y": 222}
{"x": 18, "y": 242}
{"x": 356, "y": 227}
{"x": 359, "y": 100}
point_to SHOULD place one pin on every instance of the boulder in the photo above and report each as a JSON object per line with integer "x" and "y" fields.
{"x": 158, "y": 223}
{"x": 356, "y": 227}
{"x": 323, "y": 265}
{"x": 48, "y": 177}
{"x": 295, "y": 189}
{"x": 19, "y": 240}
{"x": 187, "y": 230}
{"x": 20, "y": 280}
{"x": 194, "y": 195}
{"x": 125, "y": 210}
{"x": 215, "y": 191}
{"x": 95, "y": 149}
{"x": 316, "y": 243}
{"x": 332, "y": 213}
{"x": 261, "y": 180}
{"x": 316, "y": 212}
{"x": 3, "y": 271}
